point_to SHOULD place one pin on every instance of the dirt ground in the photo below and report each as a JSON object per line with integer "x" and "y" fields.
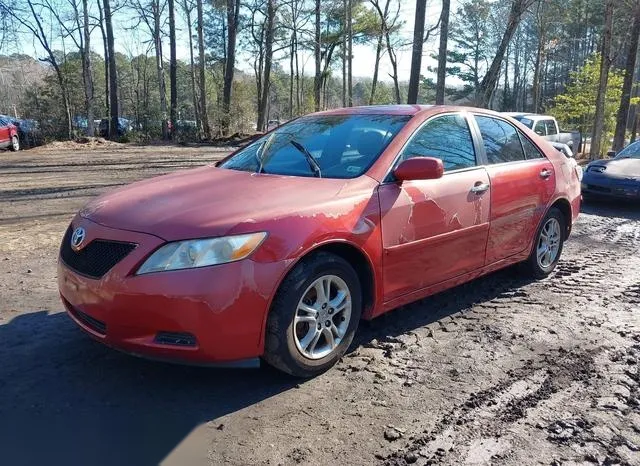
{"x": 498, "y": 371}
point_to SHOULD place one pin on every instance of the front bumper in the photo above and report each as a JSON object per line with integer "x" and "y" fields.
{"x": 599, "y": 186}
{"x": 209, "y": 315}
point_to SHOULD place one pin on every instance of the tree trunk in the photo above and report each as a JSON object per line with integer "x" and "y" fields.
{"x": 162, "y": 89}
{"x": 204, "y": 116}
{"x": 233, "y": 7}
{"x": 266, "y": 80}
{"x": 442, "y": 52}
{"x": 605, "y": 65}
{"x": 173, "y": 68}
{"x": 416, "y": 55}
{"x": 488, "y": 84}
{"x": 629, "y": 70}
{"x": 379, "y": 45}
{"x": 105, "y": 45}
{"x": 87, "y": 76}
{"x": 349, "y": 55}
{"x": 188, "y": 9}
{"x": 113, "y": 75}
{"x": 376, "y": 67}
{"x": 344, "y": 52}
{"x": 317, "y": 81}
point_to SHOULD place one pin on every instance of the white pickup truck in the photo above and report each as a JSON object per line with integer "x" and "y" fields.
{"x": 547, "y": 127}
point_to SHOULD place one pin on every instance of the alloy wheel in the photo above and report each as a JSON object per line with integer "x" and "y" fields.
{"x": 548, "y": 243}
{"x": 322, "y": 317}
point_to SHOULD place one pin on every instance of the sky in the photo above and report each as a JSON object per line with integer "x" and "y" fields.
{"x": 132, "y": 39}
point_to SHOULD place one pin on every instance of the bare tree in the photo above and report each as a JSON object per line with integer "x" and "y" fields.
{"x": 233, "y": 12}
{"x": 268, "y": 57}
{"x": 31, "y": 18}
{"x": 488, "y": 84}
{"x": 349, "y": 33}
{"x": 383, "y": 14}
{"x": 605, "y": 66}
{"x": 113, "y": 79}
{"x": 206, "y": 129}
{"x": 173, "y": 68}
{"x": 442, "y": 52}
{"x": 629, "y": 70}
{"x": 188, "y": 7}
{"x": 317, "y": 80}
{"x": 416, "y": 55}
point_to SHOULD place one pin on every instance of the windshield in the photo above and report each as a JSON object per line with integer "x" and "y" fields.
{"x": 632, "y": 151}
{"x": 342, "y": 146}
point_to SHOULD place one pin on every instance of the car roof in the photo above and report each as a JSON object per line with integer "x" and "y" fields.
{"x": 404, "y": 109}
{"x": 397, "y": 109}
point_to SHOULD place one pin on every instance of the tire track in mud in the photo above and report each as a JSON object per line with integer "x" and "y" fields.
{"x": 492, "y": 411}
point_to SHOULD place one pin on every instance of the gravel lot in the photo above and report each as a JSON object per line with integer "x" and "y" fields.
{"x": 500, "y": 371}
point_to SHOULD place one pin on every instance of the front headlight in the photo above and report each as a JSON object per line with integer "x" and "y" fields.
{"x": 194, "y": 253}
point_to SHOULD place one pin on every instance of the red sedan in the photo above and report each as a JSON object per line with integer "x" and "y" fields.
{"x": 279, "y": 250}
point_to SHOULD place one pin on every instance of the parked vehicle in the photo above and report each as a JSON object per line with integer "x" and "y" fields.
{"x": 547, "y": 127}
{"x": 29, "y": 132}
{"x": 273, "y": 124}
{"x": 9, "y": 134}
{"x": 279, "y": 250}
{"x": 124, "y": 126}
{"x": 616, "y": 178}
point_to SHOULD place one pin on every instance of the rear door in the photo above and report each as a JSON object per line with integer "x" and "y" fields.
{"x": 552, "y": 130}
{"x": 522, "y": 184}
{"x": 434, "y": 230}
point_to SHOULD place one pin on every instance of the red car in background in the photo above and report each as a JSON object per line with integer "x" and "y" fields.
{"x": 279, "y": 250}
{"x": 9, "y": 135}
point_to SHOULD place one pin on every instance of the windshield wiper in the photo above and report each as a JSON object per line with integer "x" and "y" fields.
{"x": 313, "y": 163}
{"x": 262, "y": 150}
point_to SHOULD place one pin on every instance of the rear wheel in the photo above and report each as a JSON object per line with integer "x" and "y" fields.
{"x": 547, "y": 246}
{"x": 15, "y": 143}
{"x": 314, "y": 316}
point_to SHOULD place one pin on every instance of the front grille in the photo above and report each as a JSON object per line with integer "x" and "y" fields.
{"x": 96, "y": 258}
{"x": 175, "y": 339}
{"x": 94, "y": 324}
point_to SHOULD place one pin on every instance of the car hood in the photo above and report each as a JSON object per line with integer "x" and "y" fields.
{"x": 619, "y": 168}
{"x": 211, "y": 201}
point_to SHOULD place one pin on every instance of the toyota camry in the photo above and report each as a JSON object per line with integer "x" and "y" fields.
{"x": 279, "y": 250}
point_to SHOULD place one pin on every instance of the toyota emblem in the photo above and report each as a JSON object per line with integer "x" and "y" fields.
{"x": 78, "y": 238}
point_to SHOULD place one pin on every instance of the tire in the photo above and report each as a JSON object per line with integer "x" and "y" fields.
{"x": 536, "y": 267}
{"x": 285, "y": 339}
{"x": 15, "y": 143}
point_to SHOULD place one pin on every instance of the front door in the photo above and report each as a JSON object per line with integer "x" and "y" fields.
{"x": 522, "y": 183}
{"x": 434, "y": 230}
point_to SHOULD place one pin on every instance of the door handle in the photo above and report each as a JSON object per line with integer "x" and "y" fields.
{"x": 479, "y": 187}
{"x": 545, "y": 173}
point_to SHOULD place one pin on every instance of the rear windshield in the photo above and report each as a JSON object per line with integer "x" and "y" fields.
{"x": 342, "y": 146}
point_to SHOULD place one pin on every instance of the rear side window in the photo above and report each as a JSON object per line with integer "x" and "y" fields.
{"x": 551, "y": 127}
{"x": 445, "y": 137}
{"x": 530, "y": 149}
{"x": 539, "y": 128}
{"x": 501, "y": 140}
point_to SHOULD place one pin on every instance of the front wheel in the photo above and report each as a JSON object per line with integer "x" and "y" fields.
{"x": 15, "y": 143}
{"x": 547, "y": 246}
{"x": 314, "y": 316}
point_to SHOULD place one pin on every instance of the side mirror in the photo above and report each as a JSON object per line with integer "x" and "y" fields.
{"x": 611, "y": 154}
{"x": 419, "y": 168}
{"x": 539, "y": 132}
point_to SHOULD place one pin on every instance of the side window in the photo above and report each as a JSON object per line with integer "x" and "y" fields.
{"x": 445, "y": 137}
{"x": 501, "y": 140}
{"x": 531, "y": 151}
{"x": 551, "y": 127}
{"x": 539, "y": 128}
